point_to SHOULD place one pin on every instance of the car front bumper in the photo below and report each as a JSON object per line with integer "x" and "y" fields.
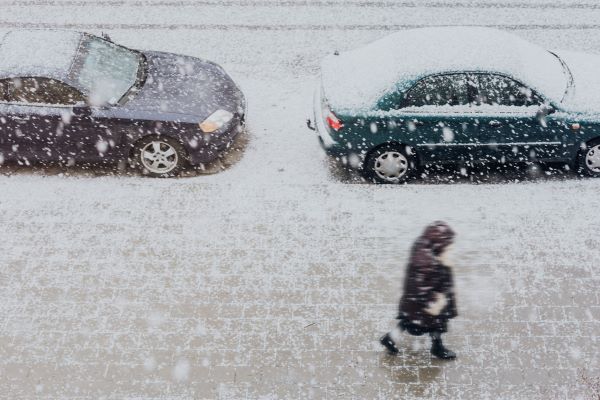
{"x": 212, "y": 145}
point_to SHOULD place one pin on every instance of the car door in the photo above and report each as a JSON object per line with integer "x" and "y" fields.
{"x": 18, "y": 129}
{"x": 90, "y": 134}
{"x": 6, "y": 129}
{"x": 437, "y": 109}
{"x": 36, "y": 111}
{"x": 512, "y": 122}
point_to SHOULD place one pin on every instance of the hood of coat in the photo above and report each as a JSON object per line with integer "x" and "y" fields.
{"x": 584, "y": 94}
{"x": 438, "y": 236}
{"x": 185, "y": 86}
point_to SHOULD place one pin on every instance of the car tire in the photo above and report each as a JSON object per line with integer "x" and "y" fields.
{"x": 159, "y": 156}
{"x": 390, "y": 164}
{"x": 588, "y": 159}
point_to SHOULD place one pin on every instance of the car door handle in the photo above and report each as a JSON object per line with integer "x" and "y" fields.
{"x": 19, "y": 118}
{"x": 495, "y": 123}
{"x": 418, "y": 123}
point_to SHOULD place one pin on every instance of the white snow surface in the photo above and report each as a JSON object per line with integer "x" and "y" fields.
{"x": 274, "y": 278}
{"x": 357, "y": 79}
{"x": 38, "y": 52}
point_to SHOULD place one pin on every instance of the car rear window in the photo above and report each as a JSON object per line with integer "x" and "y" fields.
{"x": 4, "y": 90}
{"x": 438, "y": 90}
{"x": 41, "y": 91}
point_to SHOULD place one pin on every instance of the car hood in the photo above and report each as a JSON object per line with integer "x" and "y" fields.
{"x": 188, "y": 88}
{"x": 584, "y": 95}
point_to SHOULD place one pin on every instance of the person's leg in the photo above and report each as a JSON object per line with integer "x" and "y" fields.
{"x": 396, "y": 333}
{"x": 390, "y": 339}
{"x": 437, "y": 347}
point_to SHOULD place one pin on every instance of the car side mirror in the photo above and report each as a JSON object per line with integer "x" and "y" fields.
{"x": 547, "y": 109}
{"x": 82, "y": 110}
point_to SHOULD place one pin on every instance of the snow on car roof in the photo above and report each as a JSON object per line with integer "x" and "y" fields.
{"x": 357, "y": 79}
{"x": 38, "y": 52}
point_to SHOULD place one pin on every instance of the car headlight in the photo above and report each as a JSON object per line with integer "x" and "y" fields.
{"x": 215, "y": 121}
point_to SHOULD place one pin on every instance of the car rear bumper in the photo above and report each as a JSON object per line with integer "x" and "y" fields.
{"x": 339, "y": 152}
{"x": 328, "y": 143}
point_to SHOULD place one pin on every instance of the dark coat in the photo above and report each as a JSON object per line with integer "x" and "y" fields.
{"x": 426, "y": 276}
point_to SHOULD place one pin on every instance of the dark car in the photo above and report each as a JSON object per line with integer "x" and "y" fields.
{"x": 74, "y": 97}
{"x": 458, "y": 95}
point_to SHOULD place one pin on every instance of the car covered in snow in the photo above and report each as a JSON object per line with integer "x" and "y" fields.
{"x": 459, "y": 95}
{"x": 75, "y": 97}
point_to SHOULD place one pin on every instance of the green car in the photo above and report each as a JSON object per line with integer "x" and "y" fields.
{"x": 461, "y": 95}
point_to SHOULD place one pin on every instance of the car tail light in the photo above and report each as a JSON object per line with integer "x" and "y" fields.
{"x": 333, "y": 121}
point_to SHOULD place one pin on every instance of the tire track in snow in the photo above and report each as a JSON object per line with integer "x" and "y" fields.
{"x": 281, "y": 27}
{"x": 272, "y": 3}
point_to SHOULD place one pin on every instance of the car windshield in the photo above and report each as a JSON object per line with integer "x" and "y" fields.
{"x": 107, "y": 71}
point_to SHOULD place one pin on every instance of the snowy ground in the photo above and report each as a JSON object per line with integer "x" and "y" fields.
{"x": 275, "y": 277}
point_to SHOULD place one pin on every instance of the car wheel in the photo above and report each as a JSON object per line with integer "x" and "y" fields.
{"x": 589, "y": 159}
{"x": 160, "y": 157}
{"x": 390, "y": 164}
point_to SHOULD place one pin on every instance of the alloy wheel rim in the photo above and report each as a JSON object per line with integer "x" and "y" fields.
{"x": 159, "y": 157}
{"x": 391, "y": 166}
{"x": 592, "y": 158}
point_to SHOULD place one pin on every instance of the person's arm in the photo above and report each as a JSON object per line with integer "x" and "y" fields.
{"x": 435, "y": 307}
{"x": 426, "y": 279}
{"x": 439, "y": 300}
{"x": 429, "y": 282}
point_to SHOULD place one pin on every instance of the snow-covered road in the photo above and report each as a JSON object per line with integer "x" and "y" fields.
{"x": 275, "y": 277}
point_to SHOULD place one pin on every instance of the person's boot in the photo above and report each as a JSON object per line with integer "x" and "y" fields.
{"x": 388, "y": 343}
{"x": 439, "y": 351}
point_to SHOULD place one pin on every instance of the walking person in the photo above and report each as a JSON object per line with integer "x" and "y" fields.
{"x": 428, "y": 300}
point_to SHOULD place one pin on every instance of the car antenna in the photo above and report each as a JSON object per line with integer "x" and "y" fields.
{"x": 106, "y": 37}
{"x": 336, "y": 53}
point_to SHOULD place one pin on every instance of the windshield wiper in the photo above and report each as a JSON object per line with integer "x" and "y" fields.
{"x": 140, "y": 80}
{"x": 142, "y": 72}
{"x": 567, "y": 71}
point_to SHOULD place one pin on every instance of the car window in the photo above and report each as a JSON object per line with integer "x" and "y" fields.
{"x": 438, "y": 90}
{"x": 3, "y": 89}
{"x": 41, "y": 91}
{"x": 499, "y": 90}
